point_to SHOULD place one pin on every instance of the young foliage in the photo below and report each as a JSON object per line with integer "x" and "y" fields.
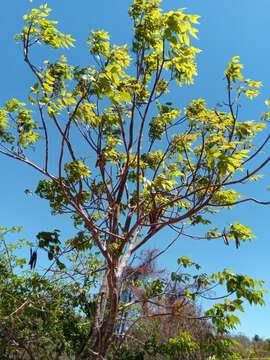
{"x": 119, "y": 157}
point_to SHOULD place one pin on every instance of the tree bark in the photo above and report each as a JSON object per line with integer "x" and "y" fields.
{"x": 99, "y": 341}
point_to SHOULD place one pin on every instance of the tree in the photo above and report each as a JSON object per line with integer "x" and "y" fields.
{"x": 42, "y": 314}
{"x": 119, "y": 157}
{"x": 47, "y": 313}
{"x": 255, "y": 348}
{"x": 168, "y": 322}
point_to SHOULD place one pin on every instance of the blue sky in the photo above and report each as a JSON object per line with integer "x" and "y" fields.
{"x": 228, "y": 28}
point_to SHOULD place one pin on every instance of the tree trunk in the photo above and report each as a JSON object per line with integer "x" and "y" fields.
{"x": 99, "y": 342}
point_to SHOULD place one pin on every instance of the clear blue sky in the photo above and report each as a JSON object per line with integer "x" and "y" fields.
{"x": 228, "y": 28}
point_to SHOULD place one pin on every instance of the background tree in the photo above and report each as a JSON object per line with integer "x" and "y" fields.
{"x": 44, "y": 314}
{"x": 117, "y": 155}
{"x": 168, "y": 323}
{"x": 251, "y": 348}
